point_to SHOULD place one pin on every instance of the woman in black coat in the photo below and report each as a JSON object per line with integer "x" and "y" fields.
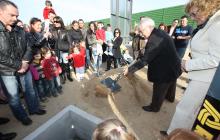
{"x": 117, "y": 41}
{"x": 60, "y": 35}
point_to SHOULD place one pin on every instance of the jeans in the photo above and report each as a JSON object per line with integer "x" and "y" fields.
{"x": 53, "y": 85}
{"x": 80, "y": 72}
{"x": 11, "y": 85}
{"x": 88, "y": 61}
{"x": 31, "y": 97}
{"x": 42, "y": 87}
{"x": 97, "y": 62}
{"x": 181, "y": 52}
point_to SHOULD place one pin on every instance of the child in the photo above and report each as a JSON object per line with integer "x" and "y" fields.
{"x": 77, "y": 53}
{"x": 112, "y": 129}
{"x": 100, "y": 33}
{"x": 48, "y": 8}
{"x": 39, "y": 77}
{"x": 51, "y": 69}
{"x": 97, "y": 56}
{"x": 127, "y": 57}
{"x": 108, "y": 34}
{"x": 109, "y": 37}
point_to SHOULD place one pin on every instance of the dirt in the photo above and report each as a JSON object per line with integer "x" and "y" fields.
{"x": 135, "y": 92}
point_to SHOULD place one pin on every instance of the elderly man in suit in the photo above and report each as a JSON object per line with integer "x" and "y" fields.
{"x": 164, "y": 65}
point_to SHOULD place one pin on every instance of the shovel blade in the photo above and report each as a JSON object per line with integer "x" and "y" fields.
{"x": 111, "y": 84}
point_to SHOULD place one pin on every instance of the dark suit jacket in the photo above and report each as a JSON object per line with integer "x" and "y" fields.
{"x": 164, "y": 64}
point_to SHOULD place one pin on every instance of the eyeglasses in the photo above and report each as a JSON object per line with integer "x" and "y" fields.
{"x": 56, "y": 21}
{"x": 192, "y": 14}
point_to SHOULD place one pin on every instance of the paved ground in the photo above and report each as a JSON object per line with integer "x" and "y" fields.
{"x": 129, "y": 101}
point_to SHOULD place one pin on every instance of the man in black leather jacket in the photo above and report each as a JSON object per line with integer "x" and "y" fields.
{"x": 14, "y": 59}
{"x": 164, "y": 65}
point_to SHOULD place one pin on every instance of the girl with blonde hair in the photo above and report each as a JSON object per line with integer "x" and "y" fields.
{"x": 112, "y": 129}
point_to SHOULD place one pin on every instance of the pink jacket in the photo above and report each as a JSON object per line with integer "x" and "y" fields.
{"x": 34, "y": 72}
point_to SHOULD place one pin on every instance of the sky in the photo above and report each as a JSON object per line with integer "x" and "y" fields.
{"x": 71, "y": 10}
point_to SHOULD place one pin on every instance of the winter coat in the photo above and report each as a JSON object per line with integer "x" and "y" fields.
{"x": 13, "y": 49}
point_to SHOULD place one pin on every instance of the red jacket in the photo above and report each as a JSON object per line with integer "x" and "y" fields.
{"x": 46, "y": 12}
{"x": 100, "y": 34}
{"x": 51, "y": 68}
{"x": 78, "y": 59}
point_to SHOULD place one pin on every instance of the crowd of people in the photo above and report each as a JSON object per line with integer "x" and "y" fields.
{"x": 36, "y": 59}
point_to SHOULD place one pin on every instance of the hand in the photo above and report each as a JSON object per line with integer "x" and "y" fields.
{"x": 179, "y": 37}
{"x": 24, "y": 67}
{"x": 100, "y": 41}
{"x": 125, "y": 72}
{"x": 47, "y": 34}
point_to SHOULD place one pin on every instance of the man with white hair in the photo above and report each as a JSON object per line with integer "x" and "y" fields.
{"x": 163, "y": 64}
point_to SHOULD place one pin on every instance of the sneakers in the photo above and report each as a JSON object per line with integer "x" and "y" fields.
{"x": 39, "y": 112}
{"x": 26, "y": 121}
{"x": 4, "y": 120}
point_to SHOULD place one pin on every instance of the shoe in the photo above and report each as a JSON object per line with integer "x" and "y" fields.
{"x": 69, "y": 78}
{"x": 63, "y": 79}
{"x": 163, "y": 133}
{"x": 48, "y": 95}
{"x": 26, "y": 121}
{"x": 149, "y": 109}
{"x": 41, "y": 106}
{"x": 39, "y": 112}
{"x": 7, "y": 136}
{"x": 3, "y": 101}
{"x": 4, "y": 120}
{"x": 107, "y": 69}
{"x": 59, "y": 90}
{"x": 55, "y": 95}
{"x": 44, "y": 100}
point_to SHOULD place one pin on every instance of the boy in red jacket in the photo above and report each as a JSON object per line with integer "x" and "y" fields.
{"x": 51, "y": 69}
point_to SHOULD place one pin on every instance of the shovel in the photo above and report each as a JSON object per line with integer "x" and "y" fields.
{"x": 112, "y": 83}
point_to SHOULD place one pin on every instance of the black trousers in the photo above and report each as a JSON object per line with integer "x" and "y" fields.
{"x": 163, "y": 91}
{"x": 109, "y": 62}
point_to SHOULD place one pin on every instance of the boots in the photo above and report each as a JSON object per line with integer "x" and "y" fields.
{"x": 68, "y": 72}
{"x": 62, "y": 78}
{"x": 68, "y": 75}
